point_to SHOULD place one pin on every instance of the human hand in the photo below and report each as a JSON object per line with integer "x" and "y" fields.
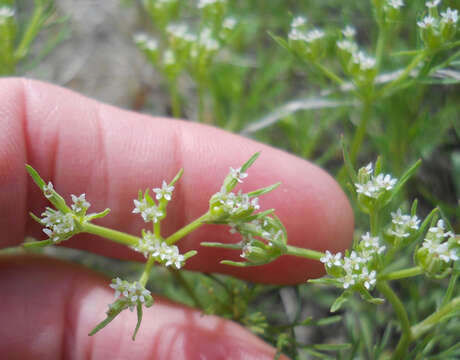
{"x": 83, "y": 146}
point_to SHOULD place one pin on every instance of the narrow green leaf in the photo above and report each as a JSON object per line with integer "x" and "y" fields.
{"x": 37, "y": 244}
{"x": 189, "y": 254}
{"x": 280, "y": 41}
{"x": 264, "y": 190}
{"x": 35, "y": 176}
{"x": 251, "y": 161}
{"x": 347, "y": 161}
{"x": 101, "y": 214}
{"x": 329, "y": 320}
{"x": 221, "y": 245}
{"x": 331, "y": 347}
{"x": 177, "y": 177}
{"x": 240, "y": 263}
{"x": 402, "y": 181}
{"x": 139, "y": 319}
{"x": 340, "y": 301}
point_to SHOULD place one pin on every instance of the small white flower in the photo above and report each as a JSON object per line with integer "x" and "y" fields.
{"x": 164, "y": 192}
{"x": 385, "y": 181}
{"x": 229, "y": 23}
{"x": 395, "y": 4}
{"x": 368, "y": 189}
{"x": 432, "y": 4}
{"x": 296, "y": 35}
{"x": 348, "y": 280}
{"x": 298, "y": 21}
{"x": 79, "y": 203}
{"x": 169, "y": 58}
{"x": 349, "y": 31}
{"x": 427, "y": 22}
{"x": 330, "y": 259}
{"x": 450, "y": 16}
{"x": 5, "y": 13}
{"x": 237, "y": 174}
{"x": 348, "y": 46}
{"x": 207, "y": 42}
{"x": 399, "y": 232}
{"x": 148, "y": 212}
{"x": 364, "y": 61}
{"x": 314, "y": 35}
{"x": 48, "y": 190}
{"x": 204, "y": 3}
{"x": 368, "y": 278}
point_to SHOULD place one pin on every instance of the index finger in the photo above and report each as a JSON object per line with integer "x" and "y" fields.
{"x": 83, "y": 146}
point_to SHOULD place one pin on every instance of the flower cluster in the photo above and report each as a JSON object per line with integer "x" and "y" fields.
{"x": 403, "y": 225}
{"x": 436, "y": 253}
{"x": 80, "y": 204}
{"x": 163, "y": 253}
{"x": 436, "y": 29}
{"x": 58, "y": 226}
{"x": 148, "y": 211}
{"x": 373, "y": 186}
{"x": 132, "y": 292}
{"x": 235, "y": 205}
{"x": 6, "y": 13}
{"x": 356, "y": 269}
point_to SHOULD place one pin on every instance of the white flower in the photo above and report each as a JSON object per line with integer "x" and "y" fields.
{"x": 432, "y": 4}
{"x": 169, "y": 58}
{"x": 349, "y": 280}
{"x": 385, "y": 181}
{"x": 349, "y": 31}
{"x": 48, "y": 190}
{"x": 164, "y": 192}
{"x": 148, "y": 212}
{"x": 438, "y": 231}
{"x": 207, "y": 42}
{"x": 395, "y": 4}
{"x": 229, "y": 23}
{"x": 58, "y": 226}
{"x": 330, "y": 260}
{"x": 450, "y": 16}
{"x": 134, "y": 293}
{"x": 364, "y": 61}
{"x": 296, "y": 35}
{"x": 5, "y": 13}
{"x": 372, "y": 244}
{"x": 426, "y": 22}
{"x": 368, "y": 189}
{"x": 314, "y": 35}
{"x": 368, "y": 278}
{"x": 79, "y": 203}
{"x": 399, "y": 232}
{"x": 298, "y": 21}
{"x": 205, "y": 3}
{"x": 237, "y": 174}
{"x": 348, "y": 46}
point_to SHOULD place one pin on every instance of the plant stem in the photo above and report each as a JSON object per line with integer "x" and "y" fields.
{"x": 195, "y": 224}
{"x": 32, "y": 29}
{"x": 361, "y": 130}
{"x": 381, "y": 42}
{"x": 328, "y": 73}
{"x": 186, "y": 285}
{"x": 305, "y": 253}
{"x": 402, "y": 274}
{"x": 146, "y": 273}
{"x": 175, "y": 99}
{"x": 422, "y": 327}
{"x": 374, "y": 221}
{"x": 404, "y": 341}
{"x": 113, "y": 235}
{"x": 415, "y": 61}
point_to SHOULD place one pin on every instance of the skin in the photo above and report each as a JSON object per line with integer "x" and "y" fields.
{"x": 83, "y": 146}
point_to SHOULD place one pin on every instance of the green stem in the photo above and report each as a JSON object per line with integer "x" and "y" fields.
{"x": 186, "y": 285}
{"x": 305, "y": 253}
{"x": 374, "y": 222}
{"x": 113, "y": 235}
{"x": 415, "y": 61}
{"x": 421, "y": 328}
{"x": 402, "y": 274}
{"x": 381, "y": 42}
{"x": 360, "y": 132}
{"x": 32, "y": 29}
{"x": 195, "y": 224}
{"x": 175, "y": 99}
{"x": 146, "y": 273}
{"x": 328, "y": 73}
{"x": 405, "y": 339}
